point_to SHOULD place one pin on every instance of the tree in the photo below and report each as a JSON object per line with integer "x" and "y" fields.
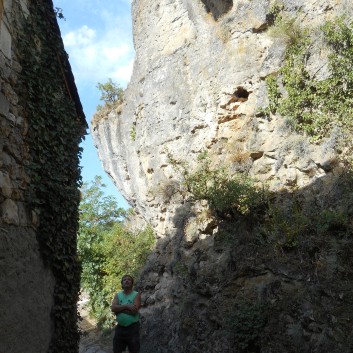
{"x": 98, "y": 214}
{"x": 106, "y": 248}
{"x": 111, "y": 93}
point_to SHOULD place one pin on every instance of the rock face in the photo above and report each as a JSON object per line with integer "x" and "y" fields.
{"x": 188, "y": 66}
{"x": 198, "y": 84}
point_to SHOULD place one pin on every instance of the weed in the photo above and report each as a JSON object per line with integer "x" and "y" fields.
{"x": 333, "y": 221}
{"x": 226, "y": 193}
{"x": 238, "y": 154}
{"x": 286, "y": 29}
{"x": 285, "y": 225}
{"x": 245, "y": 323}
{"x": 180, "y": 269}
{"x": 133, "y": 133}
{"x": 166, "y": 189}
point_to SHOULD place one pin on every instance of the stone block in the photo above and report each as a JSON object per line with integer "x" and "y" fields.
{"x": 7, "y": 6}
{"x": 35, "y": 218}
{"x": 10, "y": 94}
{"x": 5, "y": 40}
{"x": 3, "y": 62}
{"x": 10, "y": 212}
{"x": 22, "y": 214}
{"x": 5, "y": 185}
{"x": 4, "y": 105}
{"x": 6, "y": 160}
{"x": 12, "y": 119}
{"x": 24, "y": 7}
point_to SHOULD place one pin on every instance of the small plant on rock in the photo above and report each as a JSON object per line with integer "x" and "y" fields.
{"x": 111, "y": 93}
{"x": 245, "y": 324}
{"x": 226, "y": 193}
{"x": 133, "y": 133}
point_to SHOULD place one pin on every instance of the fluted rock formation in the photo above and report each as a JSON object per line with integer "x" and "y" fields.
{"x": 198, "y": 84}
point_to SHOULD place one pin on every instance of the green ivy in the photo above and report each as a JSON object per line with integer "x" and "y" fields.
{"x": 53, "y": 139}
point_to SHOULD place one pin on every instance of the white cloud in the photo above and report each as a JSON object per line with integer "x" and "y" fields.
{"x": 123, "y": 72}
{"x": 96, "y": 56}
{"x": 81, "y": 37}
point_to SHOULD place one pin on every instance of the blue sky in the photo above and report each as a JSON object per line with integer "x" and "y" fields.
{"x": 97, "y": 36}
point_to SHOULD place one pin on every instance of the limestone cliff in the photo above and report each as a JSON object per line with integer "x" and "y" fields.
{"x": 199, "y": 82}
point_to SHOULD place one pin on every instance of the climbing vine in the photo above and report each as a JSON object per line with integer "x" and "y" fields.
{"x": 53, "y": 138}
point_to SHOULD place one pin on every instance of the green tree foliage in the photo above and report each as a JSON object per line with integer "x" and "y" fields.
{"x": 107, "y": 249}
{"x": 97, "y": 212}
{"x": 98, "y": 215}
{"x": 111, "y": 93}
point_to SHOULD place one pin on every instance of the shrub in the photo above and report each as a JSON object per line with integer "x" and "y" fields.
{"x": 287, "y": 223}
{"x": 166, "y": 189}
{"x": 111, "y": 93}
{"x": 316, "y": 107}
{"x": 245, "y": 323}
{"x": 226, "y": 193}
{"x": 286, "y": 29}
{"x": 333, "y": 221}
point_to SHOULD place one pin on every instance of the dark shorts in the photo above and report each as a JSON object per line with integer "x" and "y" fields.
{"x": 127, "y": 337}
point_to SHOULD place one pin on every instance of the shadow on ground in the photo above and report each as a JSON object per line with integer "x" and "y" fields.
{"x": 92, "y": 340}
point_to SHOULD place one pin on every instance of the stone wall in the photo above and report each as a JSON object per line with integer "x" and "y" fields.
{"x": 27, "y": 283}
{"x": 26, "y": 296}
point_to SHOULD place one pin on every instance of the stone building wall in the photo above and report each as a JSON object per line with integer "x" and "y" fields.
{"x": 27, "y": 283}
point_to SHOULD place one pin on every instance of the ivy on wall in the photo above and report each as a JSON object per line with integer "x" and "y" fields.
{"x": 55, "y": 131}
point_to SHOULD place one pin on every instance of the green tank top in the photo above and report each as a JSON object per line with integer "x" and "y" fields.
{"x": 124, "y": 319}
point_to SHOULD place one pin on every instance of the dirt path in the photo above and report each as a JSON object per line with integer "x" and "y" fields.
{"x": 92, "y": 340}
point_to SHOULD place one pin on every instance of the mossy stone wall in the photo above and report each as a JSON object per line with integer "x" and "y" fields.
{"x": 41, "y": 127}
